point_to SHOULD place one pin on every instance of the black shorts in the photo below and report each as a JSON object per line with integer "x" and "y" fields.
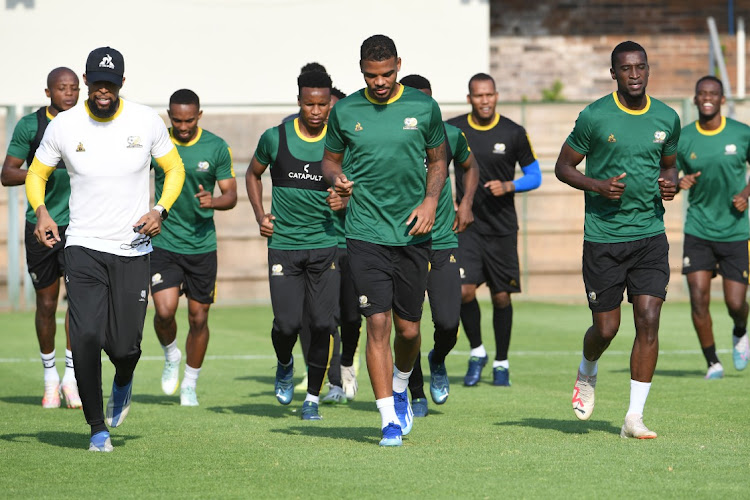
{"x": 490, "y": 259}
{"x": 348, "y": 299}
{"x": 389, "y": 277}
{"x": 304, "y": 278}
{"x": 444, "y": 288}
{"x": 727, "y": 258}
{"x": 641, "y": 265}
{"x": 194, "y": 274}
{"x": 45, "y": 265}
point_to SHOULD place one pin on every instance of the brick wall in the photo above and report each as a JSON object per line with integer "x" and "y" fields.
{"x": 536, "y": 43}
{"x": 524, "y": 65}
{"x": 606, "y": 17}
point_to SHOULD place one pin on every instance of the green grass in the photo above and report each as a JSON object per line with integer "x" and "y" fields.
{"x": 486, "y": 442}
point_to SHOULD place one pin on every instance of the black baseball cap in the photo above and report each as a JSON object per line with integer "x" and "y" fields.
{"x": 105, "y": 64}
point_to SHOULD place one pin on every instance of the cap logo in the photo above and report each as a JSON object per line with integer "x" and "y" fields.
{"x": 107, "y": 62}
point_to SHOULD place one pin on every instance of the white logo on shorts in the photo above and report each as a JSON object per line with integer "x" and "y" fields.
{"x": 156, "y": 279}
{"x": 35, "y": 279}
{"x": 143, "y": 296}
{"x": 592, "y": 297}
{"x": 363, "y": 301}
{"x": 686, "y": 261}
{"x": 277, "y": 270}
{"x": 462, "y": 273}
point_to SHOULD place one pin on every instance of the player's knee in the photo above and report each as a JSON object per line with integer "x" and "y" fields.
{"x": 46, "y": 306}
{"x": 163, "y": 318}
{"x": 445, "y": 323}
{"x": 468, "y": 295}
{"x": 198, "y": 322}
{"x": 286, "y": 327}
{"x": 501, "y": 300}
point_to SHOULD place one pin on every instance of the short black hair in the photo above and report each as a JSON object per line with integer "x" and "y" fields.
{"x": 337, "y": 93}
{"x": 481, "y": 77}
{"x": 313, "y": 66}
{"x": 56, "y": 73}
{"x": 416, "y": 82}
{"x": 313, "y": 79}
{"x": 185, "y": 96}
{"x": 710, "y": 78}
{"x": 627, "y": 46}
{"x": 377, "y": 48}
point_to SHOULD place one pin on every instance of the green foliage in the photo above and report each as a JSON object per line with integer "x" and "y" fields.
{"x": 485, "y": 442}
{"x": 554, "y": 93}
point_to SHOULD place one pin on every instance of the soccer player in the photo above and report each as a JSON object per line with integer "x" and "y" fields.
{"x": 46, "y": 265}
{"x": 444, "y": 279}
{"x": 107, "y": 145}
{"x": 713, "y": 153}
{"x": 488, "y": 249}
{"x": 184, "y": 256}
{"x": 341, "y": 373}
{"x": 311, "y": 66}
{"x": 624, "y": 241}
{"x": 301, "y": 240}
{"x": 388, "y": 129}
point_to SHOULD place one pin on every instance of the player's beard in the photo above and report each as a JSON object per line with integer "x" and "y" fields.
{"x": 108, "y": 112}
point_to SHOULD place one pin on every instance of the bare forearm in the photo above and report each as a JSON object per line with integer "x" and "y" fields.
{"x": 255, "y": 194}
{"x": 437, "y": 169}
{"x": 12, "y": 176}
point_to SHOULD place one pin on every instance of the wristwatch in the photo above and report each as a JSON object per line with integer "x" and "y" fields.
{"x": 162, "y": 211}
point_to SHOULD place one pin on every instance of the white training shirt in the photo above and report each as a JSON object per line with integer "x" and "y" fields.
{"x": 108, "y": 161}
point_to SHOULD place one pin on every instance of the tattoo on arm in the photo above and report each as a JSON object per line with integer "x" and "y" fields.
{"x": 436, "y": 170}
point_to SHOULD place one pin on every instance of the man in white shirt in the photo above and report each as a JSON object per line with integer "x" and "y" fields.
{"x": 107, "y": 144}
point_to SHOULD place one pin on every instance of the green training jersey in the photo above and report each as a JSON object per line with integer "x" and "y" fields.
{"x": 57, "y": 191}
{"x": 190, "y": 229}
{"x": 618, "y": 140}
{"x": 457, "y": 149}
{"x": 298, "y": 198}
{"x": 721, "y": 157}
{"x": 387, "y": 143}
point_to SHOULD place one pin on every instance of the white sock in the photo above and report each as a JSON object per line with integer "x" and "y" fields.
{"x": 400, "y": 379}
{"x": 70, "y": 374}
{"x": 736, "y": 340}
{"x": 50, "y": 372}
{"x": 479, "y": 352}
{"x": 638, "y": 395}
{"x": 171, "y": 352}
{"x": 588, "y": 368}
{"x": 191, "y": 376}
{"x": 504, "y": 363}
{"x": 387, "y": 409}
{"x": 314, "y": 399}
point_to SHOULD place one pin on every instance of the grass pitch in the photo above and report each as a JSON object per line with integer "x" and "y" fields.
{"x": 485, "y": 442}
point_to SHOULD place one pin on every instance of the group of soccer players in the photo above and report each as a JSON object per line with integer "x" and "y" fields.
{"x": 363, "y": 223}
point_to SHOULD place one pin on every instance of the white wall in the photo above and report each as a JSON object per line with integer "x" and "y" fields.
{"x": 238, "y": 51}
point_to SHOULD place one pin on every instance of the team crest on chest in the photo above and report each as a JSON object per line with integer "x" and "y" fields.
{"x": 611, "y": 138}
{"x": 730, "y": 149}
{"x": 693, "y": 156}
{"x": 498, "y": 148}
{"x": 358, "y": 127}
{"x": 134, "y": 141}
{"x": 203, "y": 166}
{"x": 410, "y": 123}
{"x": 660, "y": 136}
{"x": 80, "y": 148}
